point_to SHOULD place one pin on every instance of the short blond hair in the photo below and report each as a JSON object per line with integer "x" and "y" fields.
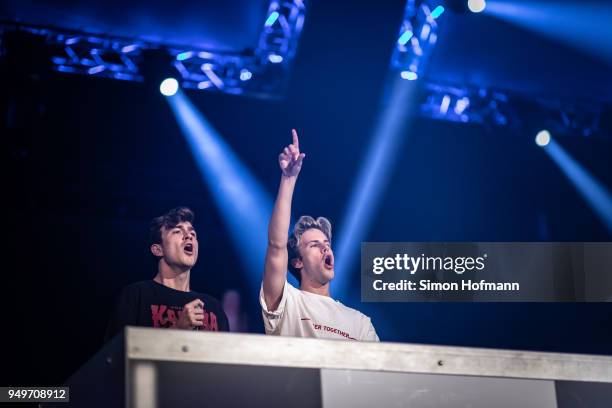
{"x": 302, "y": 225}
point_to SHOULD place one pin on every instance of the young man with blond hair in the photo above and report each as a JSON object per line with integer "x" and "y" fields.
{"x": 308, "y": 311}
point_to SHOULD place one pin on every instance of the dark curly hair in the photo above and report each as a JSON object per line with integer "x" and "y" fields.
{"x": 169, "y": 220}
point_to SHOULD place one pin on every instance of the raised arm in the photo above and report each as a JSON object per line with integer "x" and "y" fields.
{"x": 275, "y": 269}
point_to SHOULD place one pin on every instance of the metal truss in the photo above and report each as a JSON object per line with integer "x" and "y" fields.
{"x": 493, "y": 108}
{"x": 465, "y": 105}
{"x": 581, "y": 119}
{"x": 261, "y": 72}
{"x": 95, "y": 56}
{"x": 416, "y": 39}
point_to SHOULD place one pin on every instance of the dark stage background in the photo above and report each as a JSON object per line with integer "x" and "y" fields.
{"x": 91, "y": 161}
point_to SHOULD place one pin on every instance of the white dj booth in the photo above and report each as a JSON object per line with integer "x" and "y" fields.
{"x": 152, "y": 368}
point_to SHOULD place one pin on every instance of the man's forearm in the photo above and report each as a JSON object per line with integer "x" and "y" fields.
{"x": 281, "y": 214}
{"x": 275, "y": 268}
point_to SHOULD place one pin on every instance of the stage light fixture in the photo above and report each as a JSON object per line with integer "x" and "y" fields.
{"x": 245, "y": 74}
{"x": 271, "y": 19}
{"x": 275, "y": 58}
{"x": 405, "y": 37}
{"x": 542, "y": 138}
{"x": 437, "y": 12}
{"x": 410, "y": 76}
{"x": 476, "y": 6}
{"x": 168, "y": 87}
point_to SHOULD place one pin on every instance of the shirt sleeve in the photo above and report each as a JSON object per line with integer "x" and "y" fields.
{"x": 370, "y": 332}
{"x": 272, "y": 319}
{"x": 124, "y": 313}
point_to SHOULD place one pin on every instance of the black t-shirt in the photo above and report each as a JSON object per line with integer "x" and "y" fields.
{"x": 151, "y": 304}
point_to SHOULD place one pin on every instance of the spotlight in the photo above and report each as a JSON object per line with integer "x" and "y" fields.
{"x": 168, "y": 87}
{"x": 411, "y": 76}
{"x": 594, "y": 191}
{"x": 184, "y": 55}
{"x": 461, "y": 105}
{"x": 243, "y": 203}
{"x": 476, "y": 6}
{"x": 405, "y": 37}
{"x": 271, "y": 19}
{"x": 370, "y": 183}
{"x": 445, "y": 104}
{"x": 542, "y": 138}
{"x": 275, "y": 58}
{"x": 437, "y": 12}
{"x": 245, "y": 74}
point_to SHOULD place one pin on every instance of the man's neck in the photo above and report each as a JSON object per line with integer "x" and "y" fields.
{"x": 174, "y": 278}
{"x": 316, "y": 288}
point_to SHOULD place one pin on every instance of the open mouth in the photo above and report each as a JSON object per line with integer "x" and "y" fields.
{"x": 188, "y": 249}
{"x": 328, "y": 261}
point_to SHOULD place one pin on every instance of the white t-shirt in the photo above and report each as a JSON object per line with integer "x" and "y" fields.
{"x": 305, "y": 314}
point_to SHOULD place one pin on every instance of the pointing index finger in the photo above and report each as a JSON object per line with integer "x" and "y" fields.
{"x": 296, "y": 142}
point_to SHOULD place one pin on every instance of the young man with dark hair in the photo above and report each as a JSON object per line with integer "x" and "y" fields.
{"x": 308, "y": 311}
{"x": 167, "y": 300}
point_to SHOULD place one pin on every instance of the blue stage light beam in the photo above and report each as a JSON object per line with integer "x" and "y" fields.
{"x": 243, "y": 203}
{"x": 583, "y": 25}
{"x": 595, "y": 193}
{"x": 372, "y": 180}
